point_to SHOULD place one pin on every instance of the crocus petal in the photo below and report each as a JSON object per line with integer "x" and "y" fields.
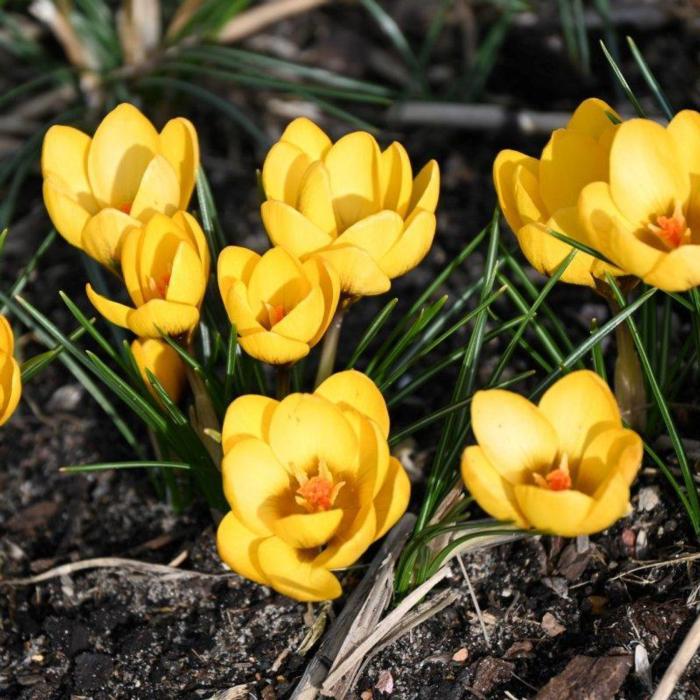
{"x": 130, "y": 264}
{"x": 238, "y": 547}
{"x": 113, "y": 311}
{"x": 104, "y": 233}
{"x": 579, "y": 406}
{"x": 158, "y": 317}
{"x": 611, "y": 502}
{"x": 66, "y": 214}
{"x": 392, "y": 500}
{"x": 163, "y": 361}
{"x": 185, "y": 221}
{"x": 412, "y": 246}
{"x": 273, "y": 348}
{"x": 7, "y": 338}
{"x": 322, "y": 275}
{"x": 396, "y": 179}
{"x": 560, "y": 183}
{"x": 255, "y": 484}
{"x": 356, "y": 390}
{"x": 368, "y": 471}
{"x": 304, "y": 320}
{"x": 591, "y": 118}
{"x": 676, "y": 271}
{"x": 315, "y": 201}
{"x": 609, "y": 232}
{"x": 545, "y": 252}
{"x": 239, "y": 312}
{"x": 64, "y": 155}
{"x": 123, "y": 145}
{"x": 159, "y": 191}
{"x": 247, "y": 416}
{"x": 617, "y": 450}
{"x": 180, "y": 145}
{"x": 505, "y": 167}
{"x": 513, "y": 433}
{"x": 11, "y": 389}
{"x": 187, "y": 281}
{"x": 235, "y": 263}
{"x": 293, "y": 573}
{"x": 158, "y": 242}
{"x": 375, "y": 234}
{"x": 492, "y": 492}
{"x": 528, "y": 199}
{"x": 288, "y": 228}
{"x": 277, "y": 279}
{"x": 307, "y": 137}
{"x": 306, "y": 530}
{"x": 426, "y": 188}
{"x": 358, "y": 272}
{"x": 282, "y": 172}
{"x": 556, "y": 512}
{"x": 307, "y": 428}
{"x": 351, "y": 542}
{"x": 352, "y": 164}
{"x": 645, "y": 175}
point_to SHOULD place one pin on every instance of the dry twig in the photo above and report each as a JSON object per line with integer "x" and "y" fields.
{"x": 680, "y": 662}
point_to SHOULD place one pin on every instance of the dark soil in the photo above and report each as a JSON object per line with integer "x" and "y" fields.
{"x": 118, "y": 633}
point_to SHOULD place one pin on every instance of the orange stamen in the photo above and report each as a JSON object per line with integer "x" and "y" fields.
{"x": 275, "y": 313}
{"x": 319, "y": 492}
{"x": 558, "y": 479}
{"x": 126, "y": 207}
{"x": 672, "y": 230}
{"x": 160, "y": 285}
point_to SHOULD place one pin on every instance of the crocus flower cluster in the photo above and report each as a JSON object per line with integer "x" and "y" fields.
{"x": 309, "y": 478}
{"x": 311, "y": 484}
{"x": 121, "y": 196}
{"x": 10, "y": 381}
{"x": 627, "y": 190}
{"x": 344, "y": 218}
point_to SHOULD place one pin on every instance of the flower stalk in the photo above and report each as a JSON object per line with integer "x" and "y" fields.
{"x": 329, "y": 349}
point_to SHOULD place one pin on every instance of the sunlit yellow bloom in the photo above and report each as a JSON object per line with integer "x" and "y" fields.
{"x": 646, "y": 216}
{"x": 311, "y": 484}
{"x": 537, "y": 195}
{"x": 97, "y": 189}
{"x": 165, "y": 266}
{"x": 360, "y": 207}
{"x": 563, "y": 466}
{"x": 163, "y": 362}
{"x": 281, "y": 307}
{"x": 10, "y": 376}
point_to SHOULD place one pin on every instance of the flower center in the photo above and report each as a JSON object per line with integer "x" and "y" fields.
{"x": 672, "y": 230}
{"x": 319, "y": 492}
{"x": 558, "y": 479}
{"x": 275, "y": 313}
{"x": 159, "y": 286}
{"x": 126, "y": 207}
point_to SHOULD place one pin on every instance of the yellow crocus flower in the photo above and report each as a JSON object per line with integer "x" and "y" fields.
{"x": 165, "y": 265}
{"x": 97, "y": 189}
{"x": 359, "y": 207}
{"x": 281, "y": 307}
{"x": 646, "y": 216}
{"x": 537, "y": 195}
{"x": 163, "y": 362}
{"x": 311, "y": 485}
{"x": 10, "y": 375}
{"x": 564, "y": 466}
